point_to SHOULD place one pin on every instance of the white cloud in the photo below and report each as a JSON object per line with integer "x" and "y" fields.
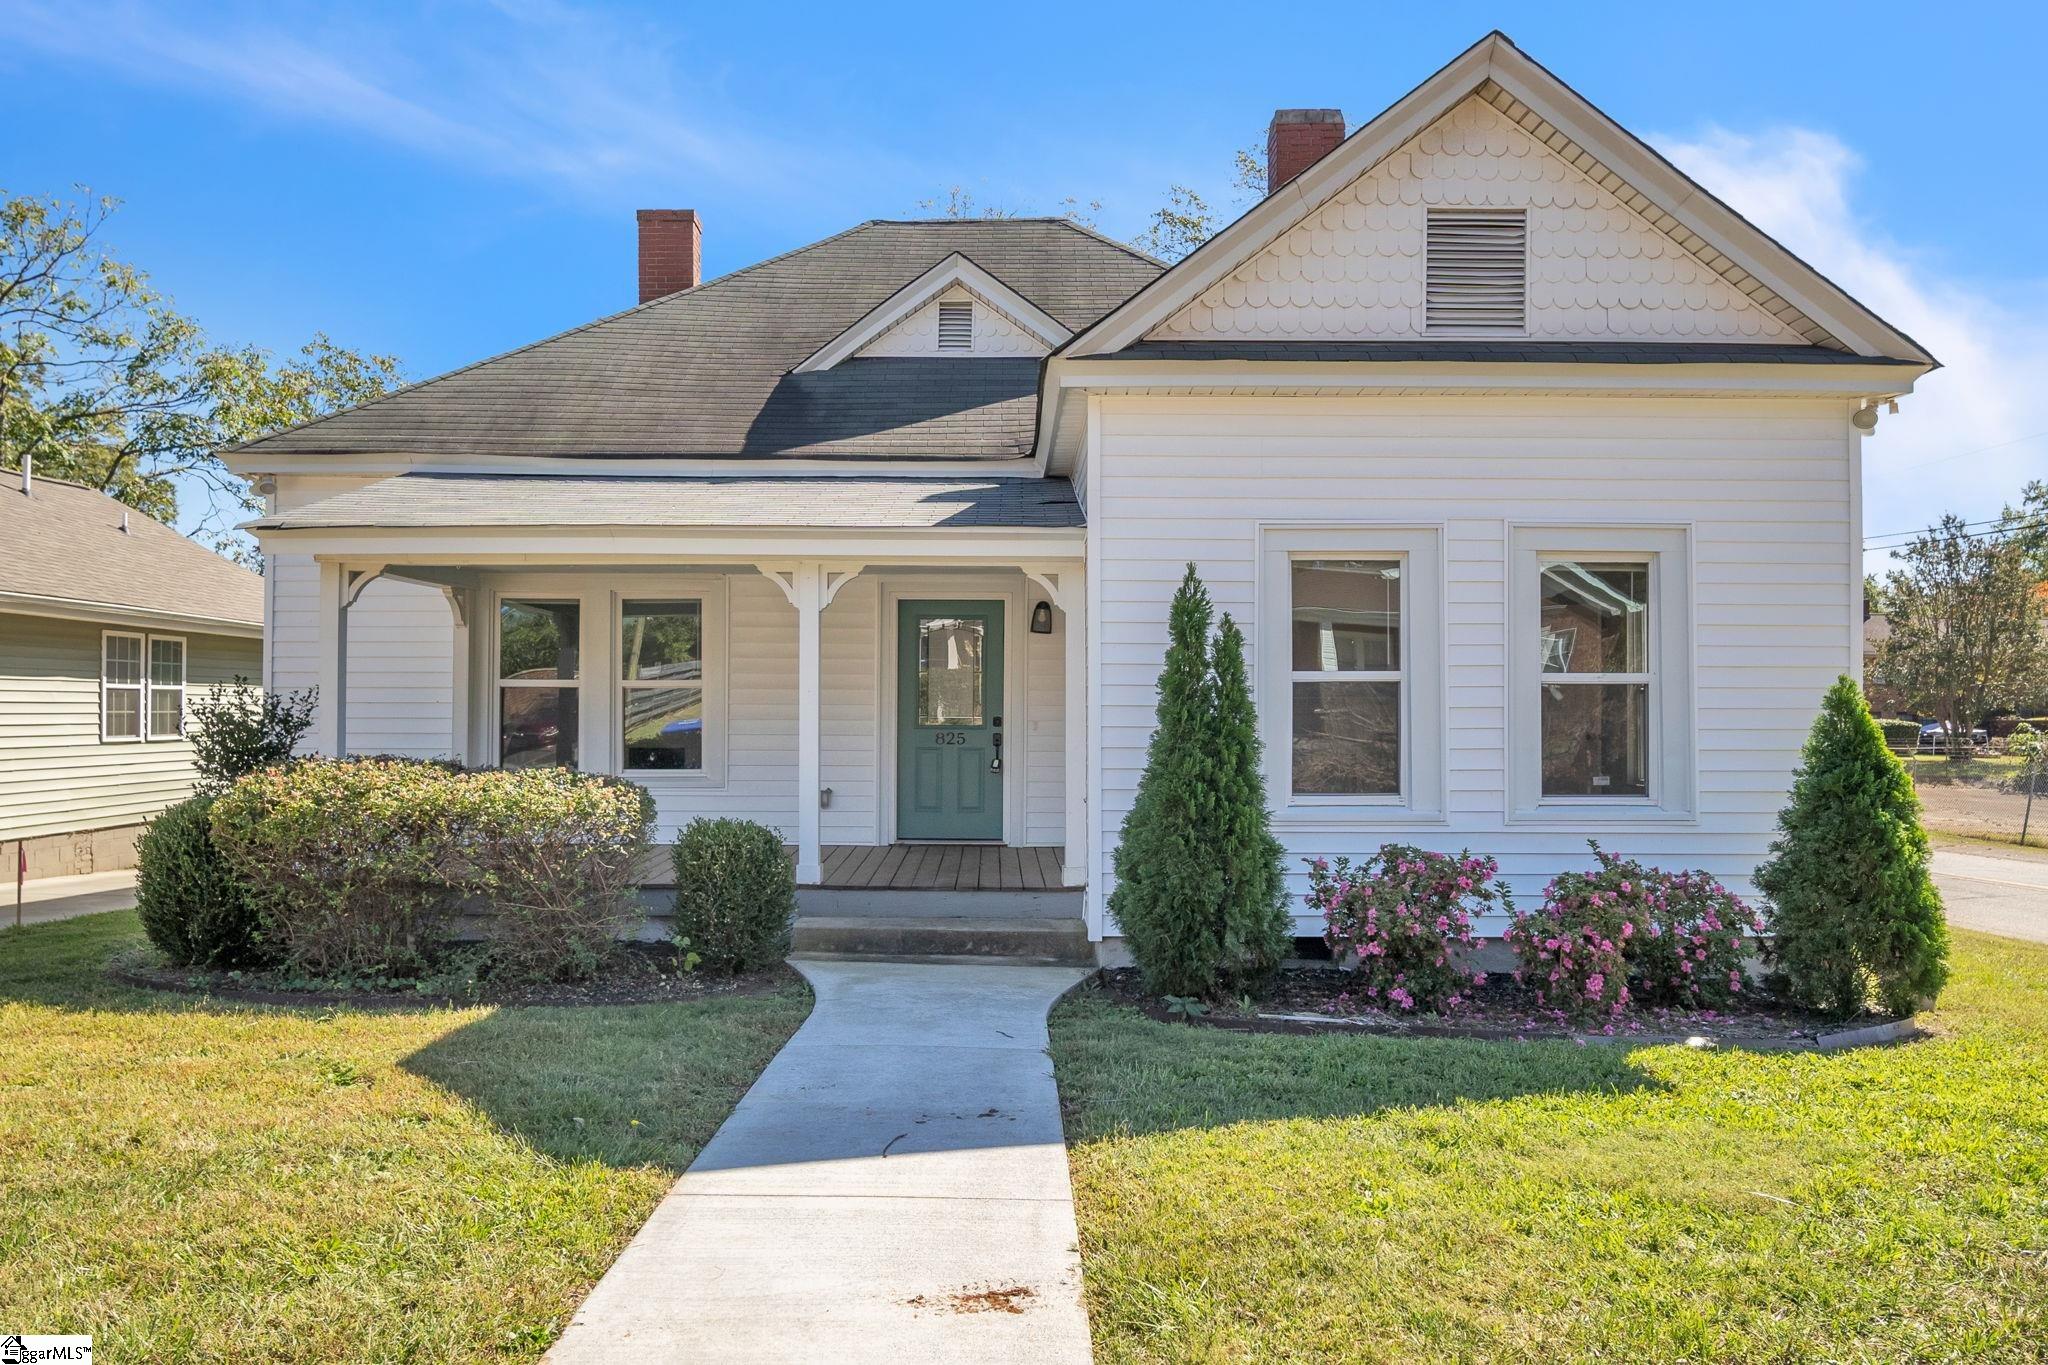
{"x": 530, "y": 88}
{"x": 1971, "y": 433}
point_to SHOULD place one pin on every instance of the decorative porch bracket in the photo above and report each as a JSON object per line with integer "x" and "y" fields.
{"x": 810, "y": 586}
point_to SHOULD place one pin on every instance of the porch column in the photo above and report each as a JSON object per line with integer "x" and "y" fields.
{"x": 331, "y": 733}
{"x": 460, "y": 603}
{"x": 1074, "y": 604}
{"x": 808, "y": 596}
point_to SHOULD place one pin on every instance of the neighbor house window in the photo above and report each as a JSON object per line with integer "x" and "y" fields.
{"x": 1350, "y": 635}
{"x": 142, "y": 686}
{"x": 539, "y": 681}
{"x": 1600, "y": 673}
{"x": 1594, "y": 631}
{"x": 1346, "y": 677}
{"x": 661, "y": 685}
{"x": 166, "y": 686}
{"x": 121, "y": 685}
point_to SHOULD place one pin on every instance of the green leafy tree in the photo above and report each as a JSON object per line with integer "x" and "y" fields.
{"x": 1169, "y": 880}
{"x": 1966, "y": 624}
{"x": 1257, "y": 929}
{"x": 1178, "y": 226}
{"x": 103, "y": 383}
{"x": 1854, "y": 908}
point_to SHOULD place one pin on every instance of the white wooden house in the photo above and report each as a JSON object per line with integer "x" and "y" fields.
{"x": 1530, "y": 468}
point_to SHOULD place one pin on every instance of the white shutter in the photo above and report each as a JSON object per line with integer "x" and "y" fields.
{"x": 956, "y": 326}
{"x": 1476, "y": 270}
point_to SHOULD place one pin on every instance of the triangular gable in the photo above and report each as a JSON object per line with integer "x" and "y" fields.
{"x": 1743, "y": 268}
{"x": 1354, "y": 268}
{"x": 996, "y": 333}
{"x": 955, "y": 272}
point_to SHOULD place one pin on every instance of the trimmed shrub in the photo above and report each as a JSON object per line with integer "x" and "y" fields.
{"x": 1572, "y": 952}
{"x": 1854, "y": 910}
{"x": 735, "y": 895}
{"x": 1682, "y": 932}
{"x": 1257, "y": 926}
{"x": 1168, "y": 877}
{"x": 358, "y": 866}
{"x": 1406, "y": 915}
{"x": 192, "y": 907}
{"x": 237, "y": 728}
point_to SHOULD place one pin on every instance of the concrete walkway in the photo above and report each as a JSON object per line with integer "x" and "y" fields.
{"x": 893, "y": 1188}
{"x": 54, "y": 898}
{"x": 1998, "y": 892}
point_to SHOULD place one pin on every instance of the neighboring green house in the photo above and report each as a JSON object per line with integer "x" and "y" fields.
{"x": 109, "y": 622}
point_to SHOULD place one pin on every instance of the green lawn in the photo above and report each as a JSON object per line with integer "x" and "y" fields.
{"x": 1284, "y": 1198}
{"x": 187, "y": 1180}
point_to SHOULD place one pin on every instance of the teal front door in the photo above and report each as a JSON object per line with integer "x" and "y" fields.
{"x": 949, "y": 720}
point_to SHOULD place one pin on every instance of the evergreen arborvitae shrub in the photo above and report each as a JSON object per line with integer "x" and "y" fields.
{"x": 1169, "y": 879}
{"x": 192, "y": 906}
{"x": 735, "y": 895}
{"x": 1855, "y": 911}
{"x": 1257, "y": 929}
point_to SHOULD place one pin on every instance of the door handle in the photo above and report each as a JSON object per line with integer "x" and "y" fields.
{"x": 995, "y": 764}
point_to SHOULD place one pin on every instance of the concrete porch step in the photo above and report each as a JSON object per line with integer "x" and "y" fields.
{"x": 926, "y": 938}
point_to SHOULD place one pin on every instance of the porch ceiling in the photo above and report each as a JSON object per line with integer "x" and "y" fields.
{"x": 426, "y": 501}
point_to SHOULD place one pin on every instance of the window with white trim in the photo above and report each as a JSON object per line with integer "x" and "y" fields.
{"x": 539, "y": 683}
{"x": 661, "y": 685}
{"x": 1601, "y": 672}
{"x": 1346, "y": 677}
{"x": 166, "y": 686}
{"x": 1351, "y": 637}
{"x": 121, "y": 684}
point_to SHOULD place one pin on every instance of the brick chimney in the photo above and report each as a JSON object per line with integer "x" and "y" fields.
{"x": 1298, "y": 138}
{"x": 671, "y": 251}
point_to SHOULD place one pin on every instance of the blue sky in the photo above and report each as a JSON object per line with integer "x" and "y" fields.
{"x": 446, "y": 180}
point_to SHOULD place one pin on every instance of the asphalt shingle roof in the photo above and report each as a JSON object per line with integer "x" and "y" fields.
{"x": 431, "y": 501}
{"x": 65, "y": 541}
{"x": 706, "y": 372}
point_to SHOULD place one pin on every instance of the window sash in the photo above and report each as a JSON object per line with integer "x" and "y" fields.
{"x": 1404, "y": 737}
{"x": 1645, "y": 678}
{"x": 135, "y": 691}
{"x": 157, "y": 689}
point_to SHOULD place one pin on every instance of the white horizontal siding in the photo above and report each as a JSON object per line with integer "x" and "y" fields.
{"x": 56, "y": 775}
{"x": 1764, "y": 485}
{"x": 1045, "y": 681}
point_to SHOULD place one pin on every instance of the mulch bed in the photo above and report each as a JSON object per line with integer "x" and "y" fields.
{"x": 642, "y": 974}
{"x": 1315, "y": 1000}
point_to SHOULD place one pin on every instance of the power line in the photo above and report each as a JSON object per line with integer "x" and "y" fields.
{"x": 1997, "y": 445}
{"x": 1900, "y": 538}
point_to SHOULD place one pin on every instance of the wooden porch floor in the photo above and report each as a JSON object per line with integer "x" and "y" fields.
{"x": 941, "y": 867}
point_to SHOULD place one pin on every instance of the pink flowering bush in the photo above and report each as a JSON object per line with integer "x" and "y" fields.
{"x": 1571, "y": 952}
{"x": 1628, "y": 933}
{"x": 1687, "y": 946}
{"x": 1406, "y": 915}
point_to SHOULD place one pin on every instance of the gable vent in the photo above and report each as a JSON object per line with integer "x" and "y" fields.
{"x": 956, "y": 326}
{"x": 1477, "y": 271}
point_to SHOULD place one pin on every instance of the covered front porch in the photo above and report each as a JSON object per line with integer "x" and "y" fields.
{"x": 907, "y": 710}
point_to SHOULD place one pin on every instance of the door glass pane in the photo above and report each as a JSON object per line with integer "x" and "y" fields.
{"x": 1595, "y": 617}
{"x": 537, "y": 639}
{"x": 537, "y": 727}
{"x": 949, "y": 670}
{"x": 1347, "y": 738}
{"x": 1596, "y": 739}
{"x": 1347, "y": 615}
{"x": 664, "y": 729}
{"x": 661, "y": 640}
{"x": 124, "y": 713}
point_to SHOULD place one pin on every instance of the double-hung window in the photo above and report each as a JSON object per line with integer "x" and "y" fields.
{"x": 661, "y": 685}
{"x": 1350, "y": 669}
{"x": 539, "y": 683}
{"x": 1600, "y": 673}
{"x": 142, "y": 686}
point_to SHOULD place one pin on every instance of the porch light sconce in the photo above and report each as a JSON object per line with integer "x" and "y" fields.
{"x": 824, "y": 798}
{"x": 1041, "y": 619}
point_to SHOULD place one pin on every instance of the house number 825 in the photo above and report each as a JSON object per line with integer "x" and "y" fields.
{"x": 950, "y": 737}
